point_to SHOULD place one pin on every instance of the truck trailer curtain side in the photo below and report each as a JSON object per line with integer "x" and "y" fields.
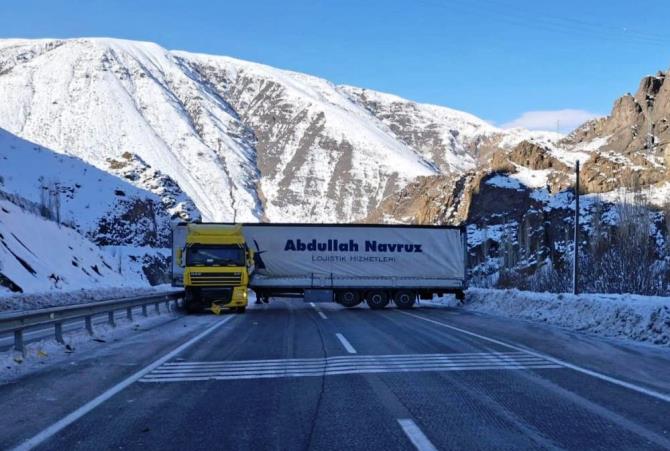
{"x": 290, "y": 254}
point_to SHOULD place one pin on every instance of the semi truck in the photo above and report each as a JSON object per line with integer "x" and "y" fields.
{"x": 344, "y": 263}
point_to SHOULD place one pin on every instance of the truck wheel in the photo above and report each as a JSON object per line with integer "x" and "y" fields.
{"x": 404, "y": 299}
{"x": 241, "y": 309}
{"x": 377, "y": 299}
{"x": 192, "y": 307}
{"x": 348, "y": 298}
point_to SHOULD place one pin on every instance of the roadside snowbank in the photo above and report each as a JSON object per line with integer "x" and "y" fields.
{"x": 635, "y": 317}
{"x": 17, "y": 302}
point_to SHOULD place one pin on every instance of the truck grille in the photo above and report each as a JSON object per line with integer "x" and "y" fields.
{"x": 216, "y": 278}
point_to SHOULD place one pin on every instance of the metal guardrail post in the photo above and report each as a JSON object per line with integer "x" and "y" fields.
{"x": 17, "y": 322}
{"x": 158, "y": 308}
{"x": 129, "y": 313}
{"x": 89, "y": 325}
{"x": 18, "y": 340}
{"x": 58, "y": 328}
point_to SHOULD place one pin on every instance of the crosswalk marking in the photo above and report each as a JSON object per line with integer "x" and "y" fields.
{"x": 343, "y": 365}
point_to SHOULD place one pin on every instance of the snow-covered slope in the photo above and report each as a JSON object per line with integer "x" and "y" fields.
{"x": 37, "y": 255}
{"x": 101, "y": 98}
{"x": 453, "y": 140}
{"x": 242, "y": 140}
{"x": 321, "y": 156}
{"x": 103, "y": 207}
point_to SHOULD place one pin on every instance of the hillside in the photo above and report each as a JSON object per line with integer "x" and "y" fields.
{"x": 242, "y": 140}
{"x": 38, "y": 255}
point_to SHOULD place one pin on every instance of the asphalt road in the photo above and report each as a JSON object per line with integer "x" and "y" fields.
{"x": 291, "y": 375}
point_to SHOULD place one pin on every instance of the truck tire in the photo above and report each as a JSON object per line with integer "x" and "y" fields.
{"x": 191, "y": 305}
{"x": 404, "y": 299}
{"x": 241, "y": 309}
{"x": 348, "y": 298}
{"x": 377, "y": 299}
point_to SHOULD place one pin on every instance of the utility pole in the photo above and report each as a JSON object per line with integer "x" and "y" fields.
{"x": 575, "y": 264}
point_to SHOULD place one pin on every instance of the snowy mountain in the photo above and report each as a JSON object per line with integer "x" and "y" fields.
{"x": 239, "y": 140}
{"x": 454, "y": 141}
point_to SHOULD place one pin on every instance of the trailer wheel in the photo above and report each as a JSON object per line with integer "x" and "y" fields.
{"x": 377, "y": 299}
{"x": 348, "y": 298}
{"x": 404, "y": 299}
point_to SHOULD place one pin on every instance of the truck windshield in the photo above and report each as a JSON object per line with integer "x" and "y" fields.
{"x": 214, "y": 256}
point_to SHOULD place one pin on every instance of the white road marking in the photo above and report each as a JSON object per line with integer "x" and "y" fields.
{"x": 318, "y": 310}
{"x": 350, "y": 349}
{"x": 416, "y": 436}
{"x": 341, "y": 365}
{"x": 86, "y": 408}
{"x": 563, "y": 363}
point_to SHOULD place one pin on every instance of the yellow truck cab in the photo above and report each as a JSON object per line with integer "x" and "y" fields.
{"x": 216, "y": 264}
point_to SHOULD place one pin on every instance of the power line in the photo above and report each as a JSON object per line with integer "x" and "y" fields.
{"x": 539, "y": 21}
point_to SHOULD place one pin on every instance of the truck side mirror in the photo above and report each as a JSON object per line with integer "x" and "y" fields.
{"x": 179, "y": 256}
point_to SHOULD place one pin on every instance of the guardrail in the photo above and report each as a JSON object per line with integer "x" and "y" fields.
{"x": 18, "y": 322}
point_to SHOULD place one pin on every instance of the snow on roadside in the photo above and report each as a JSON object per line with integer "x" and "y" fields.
{"x": 629, "y": 316}
{"x": 47, "y": 351}
{"x": 18, "y": 302}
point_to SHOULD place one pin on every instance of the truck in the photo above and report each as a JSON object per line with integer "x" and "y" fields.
{"x": 344, "y": 263}
{"x": 212, "y": 263}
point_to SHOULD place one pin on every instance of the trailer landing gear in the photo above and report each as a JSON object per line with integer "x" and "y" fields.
{"x": 460, "y": 296}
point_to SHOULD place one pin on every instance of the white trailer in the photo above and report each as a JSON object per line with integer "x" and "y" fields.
{"x": 352, "y": 263}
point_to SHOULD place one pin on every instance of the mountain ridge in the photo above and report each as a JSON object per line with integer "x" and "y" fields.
{"x": 243, "y": 140}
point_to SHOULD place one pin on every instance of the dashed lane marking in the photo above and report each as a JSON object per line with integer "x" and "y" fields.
{"x": 415, "y": 435}
{"x": 350, "y": 349}
{"x": 343, "y": 365}
{"x": 318, "y": 310}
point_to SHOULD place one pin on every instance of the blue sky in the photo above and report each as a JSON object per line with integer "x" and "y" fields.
{"x": 510, "y": 62}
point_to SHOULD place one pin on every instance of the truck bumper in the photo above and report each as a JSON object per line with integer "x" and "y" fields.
{"x": 228, "y": 297}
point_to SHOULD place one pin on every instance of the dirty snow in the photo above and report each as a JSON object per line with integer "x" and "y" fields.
{"x": 42, "y": 353}
{"x": 627, "y": 316}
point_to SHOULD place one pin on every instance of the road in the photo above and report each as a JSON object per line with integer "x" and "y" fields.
{"x": 291, "y": 375}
